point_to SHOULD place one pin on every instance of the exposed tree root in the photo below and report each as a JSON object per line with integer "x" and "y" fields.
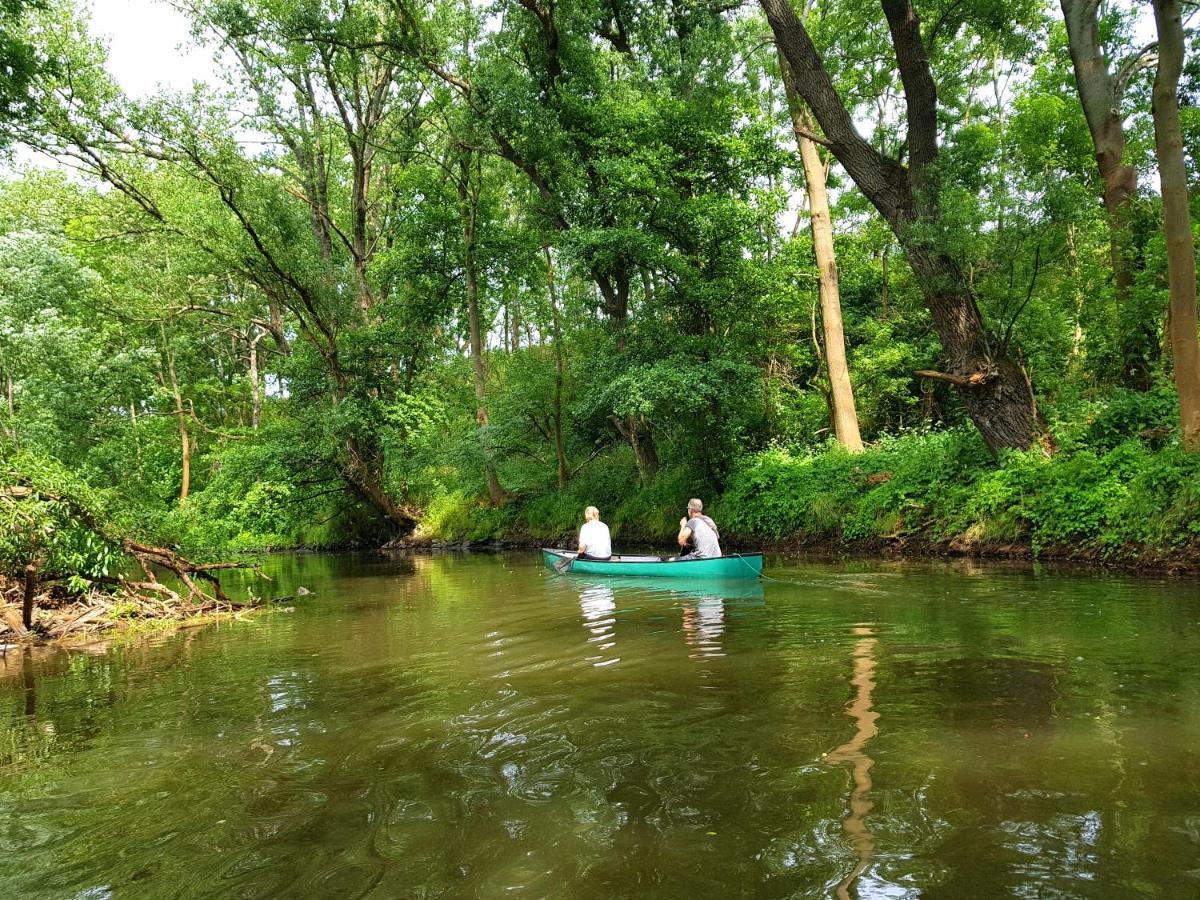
{"x": 122, "y": 603}
{"x": 37, "y": 606}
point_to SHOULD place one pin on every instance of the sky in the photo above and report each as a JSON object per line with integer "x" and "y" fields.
{"x": 149, "y": 46}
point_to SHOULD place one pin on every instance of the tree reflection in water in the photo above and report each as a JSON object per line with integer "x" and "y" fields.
{"x": 854, "y": 752}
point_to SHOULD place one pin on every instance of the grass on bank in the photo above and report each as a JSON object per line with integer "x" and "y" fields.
{"x": 1119, "y": 488}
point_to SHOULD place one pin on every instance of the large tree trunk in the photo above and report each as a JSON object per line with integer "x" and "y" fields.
{"x": 994, "y": 388}
{"x": 614, "y": 288}
{"x": 1177, "y": 226}
{"x": 362, "y": 476}
{"x": 845, "y": 417}
{"x": 1100, "y": 95}
{"x": 636, "y": 430}
{"x": 469, "y": 207}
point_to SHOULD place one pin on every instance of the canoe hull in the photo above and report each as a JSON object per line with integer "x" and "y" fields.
{"x": 738, "y": 565}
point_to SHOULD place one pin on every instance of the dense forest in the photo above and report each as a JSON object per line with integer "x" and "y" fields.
{"x": 917, "y": 273}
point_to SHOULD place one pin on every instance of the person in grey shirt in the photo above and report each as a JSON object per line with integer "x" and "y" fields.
{"x": 700, "y": 531}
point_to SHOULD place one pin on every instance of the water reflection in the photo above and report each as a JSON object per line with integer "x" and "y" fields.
{"x": 598, "y": 605}
{"x": 29, "y": 681}
{"x": 704, "y": 608}
{"x": 854, "y": 752}
{"x": 703, "y": 625}
{"x": 443, "y": 733}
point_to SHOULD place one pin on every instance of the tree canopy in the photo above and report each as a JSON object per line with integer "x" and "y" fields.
{"x": 466, "y": 268}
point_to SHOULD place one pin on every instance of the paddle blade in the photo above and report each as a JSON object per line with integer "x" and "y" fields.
{"x": 563, "y": 566}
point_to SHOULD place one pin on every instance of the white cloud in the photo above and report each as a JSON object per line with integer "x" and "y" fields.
{"x": 150, "y": 46}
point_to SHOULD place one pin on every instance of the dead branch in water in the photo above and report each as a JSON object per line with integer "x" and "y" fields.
{"x": 191, "y": 587}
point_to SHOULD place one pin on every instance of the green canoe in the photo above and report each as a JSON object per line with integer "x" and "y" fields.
{"x": 737, "y": 565}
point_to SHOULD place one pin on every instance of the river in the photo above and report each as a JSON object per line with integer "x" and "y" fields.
{"x": 473, "y": 725}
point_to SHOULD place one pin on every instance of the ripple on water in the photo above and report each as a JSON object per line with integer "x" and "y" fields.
{"x": 468, "y": 727}
{"x": 257, "y": 871}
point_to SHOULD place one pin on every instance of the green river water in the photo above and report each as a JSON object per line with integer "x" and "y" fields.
{"x": 473, "y": 725}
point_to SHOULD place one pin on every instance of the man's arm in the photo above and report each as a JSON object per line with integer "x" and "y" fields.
{"x": 685, "y": 533}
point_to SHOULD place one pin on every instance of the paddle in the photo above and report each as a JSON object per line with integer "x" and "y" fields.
{"x": 563, "y": 566}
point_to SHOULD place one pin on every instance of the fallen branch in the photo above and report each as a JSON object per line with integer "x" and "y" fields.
{"x": 146, "y": 556}
{"x": 975, "y": 379}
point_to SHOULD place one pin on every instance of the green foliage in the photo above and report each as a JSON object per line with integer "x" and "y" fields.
{"x": 50, "y": 520}
{"x": 1124, "y": 501}
{"x": 294, "y": 311}
{"x": 23, "y": 60}
{"x": 456, "y": 517}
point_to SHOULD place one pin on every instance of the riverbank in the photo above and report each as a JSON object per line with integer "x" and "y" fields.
{"x": 62, "y": 617}
{"x": 1126, "y": 503}
{"x": 865, "y": 551}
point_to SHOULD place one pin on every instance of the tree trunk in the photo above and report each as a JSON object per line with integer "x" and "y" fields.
{"x": 559, "y": 364}
{"x": 363, "y": 479}
{"x": 995, "y": 389}
{"x": 275, "y": 314}
{"x": 514, "y": 304}
{"x": 469, "y": 206}
{"x": 1100, "y": 95}
{"x": 255, "y": 387}
{"x": 1077, "y": 334}
{"x": 885, "y": 287}
{"x": 845, "y": 417}
{"x": 614, "y": 288}
{"x": 31, "y": 586}
{"x": 636, "y": 430}
{"x": 1177, "y": 227}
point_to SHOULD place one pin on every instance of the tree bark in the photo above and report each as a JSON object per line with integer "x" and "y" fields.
{"x": 636, "y": 430}
{"x": 614, "y": 288}
{"x": 468, "y": 199}
{"x": 845, "y": 417}
{"x": 1177, "y": 226}
{"x": 1100, "y": 95}
{"x": 31, "y": 586}
{"x": 1001, "y": 402}
{"x": 255, "y": 387}
{"x": 361, "y": 475}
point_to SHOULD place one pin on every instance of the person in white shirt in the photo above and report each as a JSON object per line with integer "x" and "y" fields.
{"x": 594, "y": 540}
